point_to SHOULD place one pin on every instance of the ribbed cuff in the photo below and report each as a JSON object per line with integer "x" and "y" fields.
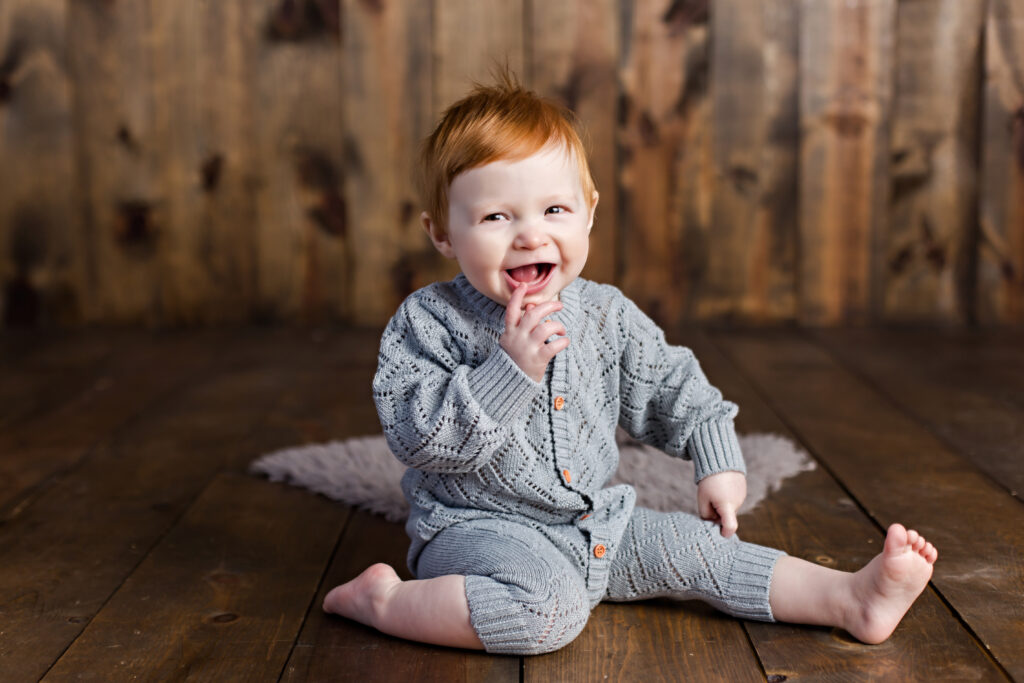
{"x": 714, "y": 448}
{"x": 497, "y": 626}
{"x": 747, "y": 591}
{"x": 501, "y": 387}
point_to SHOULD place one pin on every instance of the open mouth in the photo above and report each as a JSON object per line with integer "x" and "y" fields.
{"x": 534, "y": 275}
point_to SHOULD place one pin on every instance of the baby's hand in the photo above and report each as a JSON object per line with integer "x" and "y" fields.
{"x": 525, "y": 334}
{"x": 719, "y": 496}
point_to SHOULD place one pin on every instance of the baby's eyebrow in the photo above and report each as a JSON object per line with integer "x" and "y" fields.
{"x": 559, "y": 199}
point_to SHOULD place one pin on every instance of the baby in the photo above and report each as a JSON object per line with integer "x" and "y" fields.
{"x": 501, "y": 391}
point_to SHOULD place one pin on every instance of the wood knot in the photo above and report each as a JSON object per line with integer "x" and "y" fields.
{"x": 223, "y": 580}
{"x": 648, "y": 130}
{"x": 210, "y": 172}
{"x": 224, "y": 618}
{"x": 1018, "y": 136}
{"x": 297, "y": 20}
{"x": 683, "y": 14}
{"x": 848, "y": 124}
{"x": 127, "y": 140}
{"x": 134, "y": 228}
{"x": 318, "y": 175}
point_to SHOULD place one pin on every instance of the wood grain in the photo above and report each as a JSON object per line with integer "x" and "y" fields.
{"x": 39, "y": 276}
{"x": 333, "y": 648}
{"x": 579, "y": 69}
{"x": 846, "y": 57}
{"x": 664, "y": 168}
{"x": 203, "y": 54}
{"x": 737, "y": 73}
{"x": 652, "y": 640}
{"x": 297, "y": 87}
{"x": 1000, "y": 277}
{"x": 929, "y": 269}
{"x": 388, "y": 111}
{"x": 67, "y": 552}
{"x": 824, "y": 161}
{"x": 471, "y": 39}
{"x": 898, "y": 471}
{"x": 967, "y": 390}
{"x": 84, "y": 407}
{"x": 221, "y": 596}
{"x": 814, "y": 518}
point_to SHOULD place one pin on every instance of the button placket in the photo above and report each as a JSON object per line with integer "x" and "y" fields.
{"x": 558, "y": 418}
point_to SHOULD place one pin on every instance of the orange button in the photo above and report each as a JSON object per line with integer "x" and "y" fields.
{"x": 568, "y": 477}
{"x": 599, "y": 551}
{"x": 559, "y": 402}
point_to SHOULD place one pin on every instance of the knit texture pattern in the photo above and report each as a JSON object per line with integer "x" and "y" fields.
{"x": 483, "y": 440}
{"x": 363, "y": 472}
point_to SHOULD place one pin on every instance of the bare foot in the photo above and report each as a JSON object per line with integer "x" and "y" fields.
{"x": 362, "y": 597}
{"x": 884, "y": 589}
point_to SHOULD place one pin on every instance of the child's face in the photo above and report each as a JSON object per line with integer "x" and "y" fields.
{"x": 518, "y": 221}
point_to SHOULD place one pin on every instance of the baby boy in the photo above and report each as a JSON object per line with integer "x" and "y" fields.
{"x": 501, "y": 391}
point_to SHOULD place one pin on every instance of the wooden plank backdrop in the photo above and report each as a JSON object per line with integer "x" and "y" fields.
{"x": 814, "y": 161}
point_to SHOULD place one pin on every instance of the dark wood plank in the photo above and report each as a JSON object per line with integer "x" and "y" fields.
{"x": 221, "y": 597}
{"x": 650, "y": 641}
{"x": 63, "y": 556}
{"x": 333, "y": 648}
{"x": 39, "y": 370}
{"x": 966, "y": 387}
{"x": 899, "y": 471}
{"x": 811, "y": 517}
{"x": 86, "y": 396}
{"x": 15, "y": 342}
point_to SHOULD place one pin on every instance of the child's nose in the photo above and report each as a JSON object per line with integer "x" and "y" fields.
{"x": 530, "y": 236}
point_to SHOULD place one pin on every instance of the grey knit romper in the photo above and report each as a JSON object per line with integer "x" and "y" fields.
{"x": 507, "y": 478}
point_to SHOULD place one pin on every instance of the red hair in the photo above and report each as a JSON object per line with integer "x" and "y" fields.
{"x": 498, "y": 122}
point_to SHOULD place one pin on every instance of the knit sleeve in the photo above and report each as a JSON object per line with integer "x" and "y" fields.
{"x": 668, "y": 403}
{"x": 438, "y": 413}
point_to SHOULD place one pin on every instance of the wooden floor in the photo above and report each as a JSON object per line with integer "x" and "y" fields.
{"x": 134, "y": 546}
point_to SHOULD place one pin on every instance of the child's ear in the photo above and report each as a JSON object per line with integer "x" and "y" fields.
{"x": 593, "y": 208}
{"x": 438, "y": 235}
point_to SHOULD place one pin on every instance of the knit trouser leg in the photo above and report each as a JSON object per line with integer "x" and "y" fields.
{"x": 674, "y": 554}
{"x": 524, "y": 596}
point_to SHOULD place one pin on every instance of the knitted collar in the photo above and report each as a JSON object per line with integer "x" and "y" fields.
{"x": 494, "y": 313}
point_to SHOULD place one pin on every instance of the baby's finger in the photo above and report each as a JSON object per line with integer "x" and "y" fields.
{"x": 514, "y": 312}
{"x": 729, "y": 523}
{"x": 533, "y": 316}
{"x": 707, "y": 511}
{"x": 551, "y": 350}
{"x": 548, "y": 329}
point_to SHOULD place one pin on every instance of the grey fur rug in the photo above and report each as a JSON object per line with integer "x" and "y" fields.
{"x": 363, "y": 473}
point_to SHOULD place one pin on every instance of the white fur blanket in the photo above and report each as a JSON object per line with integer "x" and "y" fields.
{"x": 362, "y": 472}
